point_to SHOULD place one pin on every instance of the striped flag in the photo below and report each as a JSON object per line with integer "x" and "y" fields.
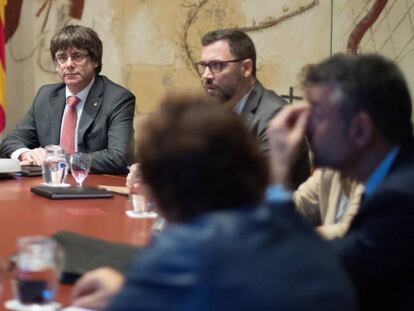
{"x": 3, "y": 4}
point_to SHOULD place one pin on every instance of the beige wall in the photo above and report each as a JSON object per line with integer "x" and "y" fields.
{"x": 149, "y": 45}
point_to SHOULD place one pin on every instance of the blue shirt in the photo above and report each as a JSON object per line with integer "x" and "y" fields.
{"x": 380, "y": 172}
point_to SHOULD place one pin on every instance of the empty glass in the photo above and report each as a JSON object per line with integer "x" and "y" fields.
{"x": 141, "y": 205}
{"x": 38, "y": 267}
{"x": 80, "y": 164}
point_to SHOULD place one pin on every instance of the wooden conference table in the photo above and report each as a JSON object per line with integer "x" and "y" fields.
{"x": 23, "y": 213}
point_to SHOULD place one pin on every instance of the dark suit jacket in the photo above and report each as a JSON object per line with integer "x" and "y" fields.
{"x": 263, "y": 258}
{"x": 378, "y": 250}
{"x": 105, "y": 129}
{"x": 261, "y": 106}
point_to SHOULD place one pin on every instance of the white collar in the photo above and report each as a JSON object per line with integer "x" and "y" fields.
{"x": 82, "y": 94}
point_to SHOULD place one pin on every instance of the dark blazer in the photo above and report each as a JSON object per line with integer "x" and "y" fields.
{"x": 261, "y": 106}
{"x": 378, "y": 250}
{"x": 105, "y": 129}
{"x": 264, "y": 258}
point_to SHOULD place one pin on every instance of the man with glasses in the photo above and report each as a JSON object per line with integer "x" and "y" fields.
{"x": 228, "y": 71}
{"x": 86, "y": 113}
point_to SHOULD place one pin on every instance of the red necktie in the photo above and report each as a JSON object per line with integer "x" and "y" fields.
{"x": 67, "y": 139}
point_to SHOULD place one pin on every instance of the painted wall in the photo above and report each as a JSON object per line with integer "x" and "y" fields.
{"x": 150, "y": 46}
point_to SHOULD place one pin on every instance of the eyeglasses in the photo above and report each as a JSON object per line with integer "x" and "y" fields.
{"x": 215, "y": 66}
{"x": 76, "y": 57}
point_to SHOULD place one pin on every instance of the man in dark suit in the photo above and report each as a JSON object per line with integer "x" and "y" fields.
{"x": 86, "y": 113}
{"x": 221, "y": 249}
{"x": 358, "y": 120}
{"x": 228, "y": 71}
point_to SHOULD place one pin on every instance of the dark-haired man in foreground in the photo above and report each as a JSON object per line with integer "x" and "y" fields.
{"x": 358, "y": 121}
{"x": 86, "y": 112}
{"x": 221, "y": 249}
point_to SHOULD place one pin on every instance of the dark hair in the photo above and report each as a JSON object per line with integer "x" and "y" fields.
{"x": 241, "y": 45}
{"x": 79, "y": 37}
{"x": 196, "y": 156}
{"x": 369, "y": 83}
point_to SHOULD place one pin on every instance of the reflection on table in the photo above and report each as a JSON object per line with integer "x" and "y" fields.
{"x": 23, "y": 213}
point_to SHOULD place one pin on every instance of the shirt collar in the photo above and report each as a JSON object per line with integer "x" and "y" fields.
{"x": 381, "y": 171}
{"x": 82, "y": 94}
{"x": 240, "y": 105}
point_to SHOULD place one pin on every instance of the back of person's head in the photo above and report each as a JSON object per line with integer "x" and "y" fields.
{"x": 81, "y": 38}
{"x": 369, "y": 83}
{"x": 198, "y": 157}
{"x": 241, "y": 45}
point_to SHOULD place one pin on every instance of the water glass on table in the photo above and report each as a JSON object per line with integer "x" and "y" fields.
{"x": 38, "y": 267}
{"x": 141, "y": 205}
{"x": 80, "y": 164}
{"x": 55, "y": 167}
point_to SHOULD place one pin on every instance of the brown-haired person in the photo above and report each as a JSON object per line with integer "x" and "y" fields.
{"x": 221, "y": 248}
{"x": 86, "y": 112}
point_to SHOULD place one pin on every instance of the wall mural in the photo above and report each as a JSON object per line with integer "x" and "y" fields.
{"x": 364, "y": 25}
{"x": 154, "y": 44}
{"x": 66, "y": 12}
{"x": 264, "y": 24}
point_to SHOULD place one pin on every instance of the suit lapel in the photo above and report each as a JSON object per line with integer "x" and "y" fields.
{"x": 252, "y": 103}
{"x": 90, "y": 109}
{"x": 57, "y": 106}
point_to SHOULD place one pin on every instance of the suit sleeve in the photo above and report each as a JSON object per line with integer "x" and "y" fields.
{"x": 116, "y": 157}
{"x": 24, "y": 135}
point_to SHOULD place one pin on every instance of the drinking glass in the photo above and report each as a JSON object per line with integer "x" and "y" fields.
{"x": 141, "y": 205}
{"x": 80, "y": 164}
{"x": 55, "y": 167}
{"x": 38, "y": 268}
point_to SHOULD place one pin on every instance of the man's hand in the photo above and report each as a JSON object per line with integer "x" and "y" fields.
{"x": 96, "y": 288}
{"x": 286, "y": 132}
{"x": 33, "y": 157}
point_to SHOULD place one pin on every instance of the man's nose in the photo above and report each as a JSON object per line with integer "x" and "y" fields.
{"x": 207, "y": 74}
{"x": 69, "y": 62}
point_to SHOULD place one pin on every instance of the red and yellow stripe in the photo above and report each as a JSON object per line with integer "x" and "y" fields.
{"x": 3, "y": 4}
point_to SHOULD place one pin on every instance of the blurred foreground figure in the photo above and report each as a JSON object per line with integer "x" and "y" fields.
{"x": 221, "y": 248}
{"x": 358, "y": 122}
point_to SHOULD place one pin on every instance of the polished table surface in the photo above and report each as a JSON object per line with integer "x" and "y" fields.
{"x": 23, "y": 213}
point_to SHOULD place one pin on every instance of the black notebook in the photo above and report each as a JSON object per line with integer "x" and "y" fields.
{"x": 71, "y": 192}
{"x": 31, "y": 170}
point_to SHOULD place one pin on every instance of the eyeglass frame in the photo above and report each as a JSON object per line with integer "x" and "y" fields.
{"x": 221, "y": 62}
{"x": 76, "y": 57}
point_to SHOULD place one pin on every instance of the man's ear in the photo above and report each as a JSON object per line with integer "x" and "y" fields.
{"x": 247, "y": 68}
{"x": 362, "y": 129}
